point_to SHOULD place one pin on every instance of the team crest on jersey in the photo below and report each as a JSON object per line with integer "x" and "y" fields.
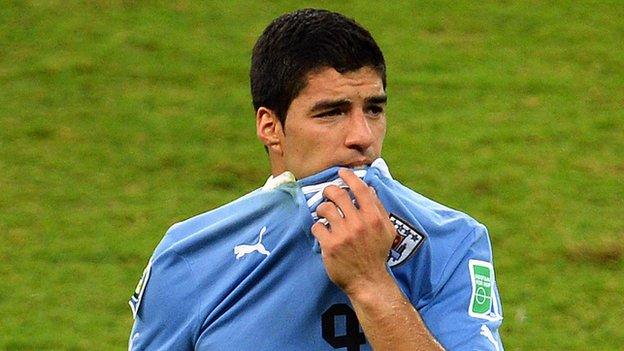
{"x": 406, "y": 242}
{"x": 135, "y": 300}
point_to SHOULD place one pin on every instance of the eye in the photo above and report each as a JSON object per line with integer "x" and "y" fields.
{"x": 330, "y": 113}
{"x": 375, "y": 109}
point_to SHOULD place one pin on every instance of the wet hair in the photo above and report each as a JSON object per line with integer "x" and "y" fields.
{"x": 302, "y": 42}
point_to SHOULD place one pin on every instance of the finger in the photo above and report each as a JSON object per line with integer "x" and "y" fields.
{"x": 363, "y": 195}
{"x": 329, "y": 211}
{"x": 320, "y": 231}
{"x": 377, "y": 202}
{"x": 341, "y": 198}
{"x": 390, "y": 229}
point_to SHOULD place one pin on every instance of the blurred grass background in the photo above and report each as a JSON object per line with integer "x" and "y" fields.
{"x": 119, "y": 118}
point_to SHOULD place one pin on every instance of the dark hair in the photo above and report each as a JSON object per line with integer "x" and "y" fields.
{"x": 300, "y": 42}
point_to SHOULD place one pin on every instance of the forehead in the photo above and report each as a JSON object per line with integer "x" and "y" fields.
{"x": 327, "y": 82}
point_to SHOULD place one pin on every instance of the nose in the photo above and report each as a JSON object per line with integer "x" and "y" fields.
{"x": 359, "y": 133}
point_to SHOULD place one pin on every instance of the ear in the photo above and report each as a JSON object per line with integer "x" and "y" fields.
{"x": 269, "y": 129}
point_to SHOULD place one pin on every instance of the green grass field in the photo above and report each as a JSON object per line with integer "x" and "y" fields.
{"x": 119, "y": 118}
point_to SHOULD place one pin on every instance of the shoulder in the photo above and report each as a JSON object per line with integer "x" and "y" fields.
{"x": 206, "y": 243}
{"x": 443, "y": 214}
{"x": 175, "y": 279}
{"x": 450, "y": 236}
{"x": 453, "y": 275}
{"x": 184, "y": 237}
{"x": 451, "y": 233}
{"x": 190, "y": 244}
{"x": 441, "y": 223}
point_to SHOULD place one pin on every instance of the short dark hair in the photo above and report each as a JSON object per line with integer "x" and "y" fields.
{"x": 300, "y": 42}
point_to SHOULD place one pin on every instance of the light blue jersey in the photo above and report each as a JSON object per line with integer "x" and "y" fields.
{"x": 249, "y": 275}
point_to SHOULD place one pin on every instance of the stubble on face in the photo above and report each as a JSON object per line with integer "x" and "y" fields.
{"x": 338, "y": 119}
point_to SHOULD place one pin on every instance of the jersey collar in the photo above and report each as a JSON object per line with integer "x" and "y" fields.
{"x": 275, "y": 182}
{"x": 319, "y": 178}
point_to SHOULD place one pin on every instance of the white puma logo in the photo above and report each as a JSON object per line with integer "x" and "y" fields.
{"x": 242, "y": 250}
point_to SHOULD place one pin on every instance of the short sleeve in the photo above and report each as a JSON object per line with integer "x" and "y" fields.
{"x": 166, "y": 315}
{"x": 465, "y": 312}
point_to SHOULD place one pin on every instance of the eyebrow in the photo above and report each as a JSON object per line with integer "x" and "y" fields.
{"x": 331, "y": 104}
{"x": 377, "y": 99}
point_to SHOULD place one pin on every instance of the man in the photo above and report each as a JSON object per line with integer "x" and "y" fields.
{"x": 304, "y": 264}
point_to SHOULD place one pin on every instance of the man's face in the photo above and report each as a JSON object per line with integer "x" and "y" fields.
{"x": 337, "y": 119}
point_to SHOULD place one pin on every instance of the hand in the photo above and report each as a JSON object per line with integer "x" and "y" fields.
{"x": 355, "y": 246}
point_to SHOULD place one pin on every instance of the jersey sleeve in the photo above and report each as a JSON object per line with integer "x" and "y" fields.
{"x": 465, "y": 312}
{"x": 166, "y": 315}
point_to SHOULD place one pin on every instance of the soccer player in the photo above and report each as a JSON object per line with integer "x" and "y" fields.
{"x": 332, "y": 252}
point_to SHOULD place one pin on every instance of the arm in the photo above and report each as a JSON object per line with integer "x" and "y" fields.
{"x": 355, "y": 249}
{"x": 166, "y": 315}
{"x": 389, "y": 321}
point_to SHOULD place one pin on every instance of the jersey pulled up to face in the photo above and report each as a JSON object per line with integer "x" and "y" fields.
{"x": 249, "y": 275}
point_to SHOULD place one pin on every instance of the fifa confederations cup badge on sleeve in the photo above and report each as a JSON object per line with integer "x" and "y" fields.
{"x": 483, "y": 301}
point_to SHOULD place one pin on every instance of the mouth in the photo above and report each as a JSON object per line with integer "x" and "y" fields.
{"x": 358, "y": 164}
